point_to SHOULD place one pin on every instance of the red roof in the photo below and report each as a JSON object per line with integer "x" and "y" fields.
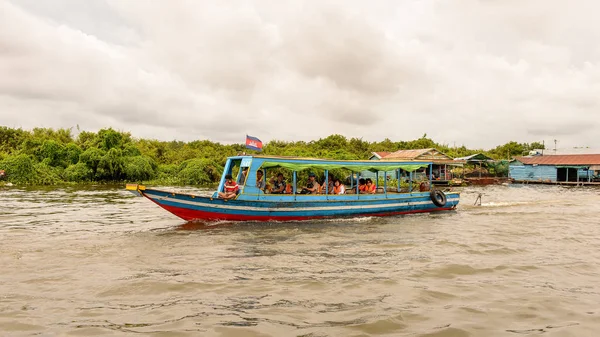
{"x": 562, "y": 159}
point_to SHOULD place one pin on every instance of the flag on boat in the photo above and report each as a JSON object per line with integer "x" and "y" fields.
{"x": 253, "y": 143}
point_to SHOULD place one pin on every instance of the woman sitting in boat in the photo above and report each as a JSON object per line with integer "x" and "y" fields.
{"x": 424, "y": 185}
{"x": 231, "y": 188}
{"x": 370, "y": 187}
{"x": 338, "y": 187}
{"x": 260, "y": 183}
{"x": 328, "y": 184}
{"x": 362, "y": 186}
{"x": 278, "y": 184}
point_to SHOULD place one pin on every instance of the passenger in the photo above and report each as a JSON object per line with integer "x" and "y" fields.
{"x": 260, "y": 183}
{"x": 328, "y": 186}
{"x": 424, "y": 185}
{"x": 338, "y": 187}
{"x": 370, "y": 189}
{"x": 242, "y": 179}
{"x": 278, "y": 184}
{"x": 312, "y": 186}
{"x": 231, "y": 188}
{"x": 362, "y": 186}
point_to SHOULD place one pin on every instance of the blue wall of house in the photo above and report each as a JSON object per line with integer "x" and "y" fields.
{"x": 522, "y": 172}
{"x": 532, "y": 173}
{"x": 583, "y": 174}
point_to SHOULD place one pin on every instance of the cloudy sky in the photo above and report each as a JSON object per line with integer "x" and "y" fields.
{"x": 473, "y": 72}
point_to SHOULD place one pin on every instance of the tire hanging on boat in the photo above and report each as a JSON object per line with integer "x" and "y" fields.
{"x": 438, "y": 197}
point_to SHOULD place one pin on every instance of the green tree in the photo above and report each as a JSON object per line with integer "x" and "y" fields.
{"x": 79, "y": 172}
{"x": 53, "y": 151}
{"x": 46, "y": 174}
{"x": 508, "y": 150}
{"x": 19, "y": 169}
{"x": 86, "y": 140}
{"x": 111, "y": 166}
{"x": 139, "y": 168}
{"x": 72, "y": 153}
{"x": 199, "y": 172}
{"x": 11, "y": 139}
{"x": 110, "y": 138}
{"x": 91, "y": 158}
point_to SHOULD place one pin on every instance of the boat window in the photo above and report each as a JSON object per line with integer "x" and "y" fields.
{"x": 236, "y": 170}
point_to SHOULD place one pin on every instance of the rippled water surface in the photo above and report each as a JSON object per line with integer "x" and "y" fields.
{"x": 101, "y": 262}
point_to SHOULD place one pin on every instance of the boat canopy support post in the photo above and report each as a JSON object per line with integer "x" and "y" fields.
{"x": 294, "y": 186}
{"x": 356, "y": 183}
{"x": 326, "y": 182}
{"x": 385, "y": 186}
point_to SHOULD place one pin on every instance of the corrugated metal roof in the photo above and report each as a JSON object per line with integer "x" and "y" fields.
{"x": 475, "y": 157}
{"x": 429, "y": 154}
{"x": 563, "y": 159}
{"x": 407, "y": 154}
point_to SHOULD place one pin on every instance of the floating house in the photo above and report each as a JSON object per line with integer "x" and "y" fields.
{"x": 481, "y": 173}
{"x": 476, "y": 159}
{"x": 570, "y": 168}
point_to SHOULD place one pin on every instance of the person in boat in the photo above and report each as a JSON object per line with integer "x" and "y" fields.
{"x": 231, "y": 188}
{"x": 362, "y": 185}
{"x": 328, "y": 184}
{"x": 370, "y": 187}
{"x": 312, "y": 186}
{"x": 424, "y": 185}
{"x": 260, "y": 183}
{"x": 242, "y": 179}
{"x": 338, "y": 187}
{"x": 278, "y": 184}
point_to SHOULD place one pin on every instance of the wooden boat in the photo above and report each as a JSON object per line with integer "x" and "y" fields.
{"x": 252, "y": 203}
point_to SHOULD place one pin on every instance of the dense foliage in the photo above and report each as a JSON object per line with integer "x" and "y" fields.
{"x": 47, "y": 156}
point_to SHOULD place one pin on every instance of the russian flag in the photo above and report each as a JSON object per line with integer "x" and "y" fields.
{"x": 253, "y": 143}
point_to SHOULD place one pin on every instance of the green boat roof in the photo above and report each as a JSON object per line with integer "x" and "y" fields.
{"x": 298, "y": 164}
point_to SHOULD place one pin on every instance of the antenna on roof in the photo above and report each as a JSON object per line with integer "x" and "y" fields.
{"x": 555, "y": 146}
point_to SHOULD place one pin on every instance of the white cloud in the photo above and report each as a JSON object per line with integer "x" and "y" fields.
{"x": 479, "y": 73}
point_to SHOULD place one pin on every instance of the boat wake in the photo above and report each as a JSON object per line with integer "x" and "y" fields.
{"x": 498, "y": 204}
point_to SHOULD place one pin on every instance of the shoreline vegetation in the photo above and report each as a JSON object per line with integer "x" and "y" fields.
{"x": 45, "y": 156}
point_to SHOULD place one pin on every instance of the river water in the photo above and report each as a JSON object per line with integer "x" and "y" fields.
{"x": 101, "y": 262}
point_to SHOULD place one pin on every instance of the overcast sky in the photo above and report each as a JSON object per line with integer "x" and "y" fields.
{"x": 473, "y": 72}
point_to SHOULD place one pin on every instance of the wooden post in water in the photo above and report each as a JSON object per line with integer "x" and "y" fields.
{"x": 478, "y": 199}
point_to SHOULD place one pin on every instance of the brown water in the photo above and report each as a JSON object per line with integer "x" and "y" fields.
{"x": 100, "y": 262}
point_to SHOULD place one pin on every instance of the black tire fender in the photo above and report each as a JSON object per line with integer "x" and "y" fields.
{"x": 438, "y": 197}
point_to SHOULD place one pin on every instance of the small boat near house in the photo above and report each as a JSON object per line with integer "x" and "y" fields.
{"x": 252, "y": 203}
